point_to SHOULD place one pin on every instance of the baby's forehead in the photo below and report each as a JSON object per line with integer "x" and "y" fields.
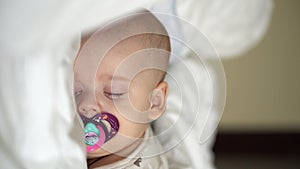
{"x": 133, "y": 52}
{"x": 109, "y": 46}
{"x": 97, "y": 53}
{"x": 125, "y": 47}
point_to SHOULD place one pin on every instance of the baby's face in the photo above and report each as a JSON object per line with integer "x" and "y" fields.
{"x": 114, "y": 95}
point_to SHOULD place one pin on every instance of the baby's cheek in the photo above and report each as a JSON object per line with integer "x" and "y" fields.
{"x": 132, "y": 129}
{"x": 139, "y": 100}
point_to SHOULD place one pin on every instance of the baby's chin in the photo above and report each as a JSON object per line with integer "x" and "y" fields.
{"x": 108, "y": 148}
{"x": 98, "y": 153}
{"x": 114, "y": 147}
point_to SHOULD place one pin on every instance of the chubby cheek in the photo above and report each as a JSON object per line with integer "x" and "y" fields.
{"x": 131, "y": 129}
{"x": 139, "y": 97}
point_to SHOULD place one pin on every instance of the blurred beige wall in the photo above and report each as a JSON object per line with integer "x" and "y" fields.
{"x": 263, "y": 92}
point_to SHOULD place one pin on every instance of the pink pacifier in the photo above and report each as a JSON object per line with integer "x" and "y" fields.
{"x": 99, "y": 129}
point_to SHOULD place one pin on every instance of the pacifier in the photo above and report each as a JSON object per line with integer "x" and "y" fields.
{"x": 99, "y": 129}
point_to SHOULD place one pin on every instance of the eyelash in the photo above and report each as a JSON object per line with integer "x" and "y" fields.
{"x": 113, "y": 96}
{"x": 78, "y": 93}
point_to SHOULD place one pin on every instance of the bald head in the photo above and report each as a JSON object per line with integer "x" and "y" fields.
{"x": 131, "y": 33}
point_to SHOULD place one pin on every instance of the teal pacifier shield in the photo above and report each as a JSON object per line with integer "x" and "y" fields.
{"x": 91, "y": 134}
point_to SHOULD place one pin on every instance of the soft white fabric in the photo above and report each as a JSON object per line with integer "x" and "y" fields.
{"x": 39, "y": 39}
{"x": 233, "y": 26}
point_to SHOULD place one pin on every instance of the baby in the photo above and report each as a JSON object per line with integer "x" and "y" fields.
{"x": 119, "y": 90}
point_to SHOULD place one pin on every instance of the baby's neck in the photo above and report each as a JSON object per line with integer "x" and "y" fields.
{"x": 112, "y": 158}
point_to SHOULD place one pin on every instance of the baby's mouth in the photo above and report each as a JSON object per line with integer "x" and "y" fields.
{"x": 99, "y": 129}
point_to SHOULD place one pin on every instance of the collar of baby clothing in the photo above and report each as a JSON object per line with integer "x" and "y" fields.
{"x": 146, "y": 156}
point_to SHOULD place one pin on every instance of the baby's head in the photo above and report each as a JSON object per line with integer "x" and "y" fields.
{"x": 119, "y": 85}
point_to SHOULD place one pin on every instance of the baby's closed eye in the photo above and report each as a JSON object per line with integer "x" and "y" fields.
{"x": 78, "y": 89}
{"x": 114, "y": 92}
{"x": 114, "y": 96}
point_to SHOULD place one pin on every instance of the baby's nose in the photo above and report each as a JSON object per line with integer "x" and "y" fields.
{"x": 88, "y": 108}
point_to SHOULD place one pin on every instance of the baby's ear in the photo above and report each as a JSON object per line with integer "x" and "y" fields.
{"x": 158, "y": 100}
